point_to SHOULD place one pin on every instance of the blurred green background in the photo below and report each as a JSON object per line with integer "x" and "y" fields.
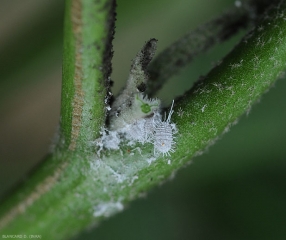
{"x": 236, "y": 190}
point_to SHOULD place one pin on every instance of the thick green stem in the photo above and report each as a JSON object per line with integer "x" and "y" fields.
{"x": 75, "y": 189}
{"x": 89, "y": 27}
{"x": 198, "y": 41}
{"x": 232, "y": 88}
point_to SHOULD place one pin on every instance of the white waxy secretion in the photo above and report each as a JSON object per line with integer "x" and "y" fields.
{"x": 163, "y": 137}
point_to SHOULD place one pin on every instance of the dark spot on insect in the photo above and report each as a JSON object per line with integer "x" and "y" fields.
{"x": 141, "y": 87}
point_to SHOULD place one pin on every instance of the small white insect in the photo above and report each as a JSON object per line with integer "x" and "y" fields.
{"x": 150, "y": 126}
{"x": 142, "y": 130}
{"x": 135, "y": 131}
{"x": 163, "y": 137}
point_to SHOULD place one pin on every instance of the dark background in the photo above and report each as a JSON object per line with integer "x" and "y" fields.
{"x": 236, "y": 190}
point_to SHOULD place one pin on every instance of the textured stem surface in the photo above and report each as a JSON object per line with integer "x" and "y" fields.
{"x": 198, "y": 41}
{"x": 75, "y": 189}
{"x": 89, "y": 27}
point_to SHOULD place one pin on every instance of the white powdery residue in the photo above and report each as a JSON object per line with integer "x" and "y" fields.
{"x": 111, "y": 140}
{"x": 107, "y": 209}
{"x": 133, "y": 179}
{"x": 100, "y": 166}
{"x": 99, "y": 143}
{"x": 94, "y": 165}
{"x": 137, "y": 149}
{"x": 151, "y": 159}
{"x": 108, "y": 140}
{"x": 135, "y": 131}
{"x": 119, "y": 177}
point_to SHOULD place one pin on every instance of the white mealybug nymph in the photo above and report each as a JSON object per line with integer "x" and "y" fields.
{"x": 163, "y": 137}
{"x": 142, "y": 130}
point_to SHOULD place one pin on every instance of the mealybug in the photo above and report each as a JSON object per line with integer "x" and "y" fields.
{"x": 143, "y": 129}
{"x": 163, "y": 138}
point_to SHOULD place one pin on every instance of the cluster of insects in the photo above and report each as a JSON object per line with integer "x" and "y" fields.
{"x": 135, "y": 117}
{"x": 154, "y": 130}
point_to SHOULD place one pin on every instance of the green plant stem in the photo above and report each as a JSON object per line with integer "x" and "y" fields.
{"x": 75, "y": 189}
{"x": 89, "y": 27}
{"x": 200, "y": 40}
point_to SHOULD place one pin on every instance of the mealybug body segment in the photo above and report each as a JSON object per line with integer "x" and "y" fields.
{"x": 143, "y": 129}
{"x": 163, "y": 137}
